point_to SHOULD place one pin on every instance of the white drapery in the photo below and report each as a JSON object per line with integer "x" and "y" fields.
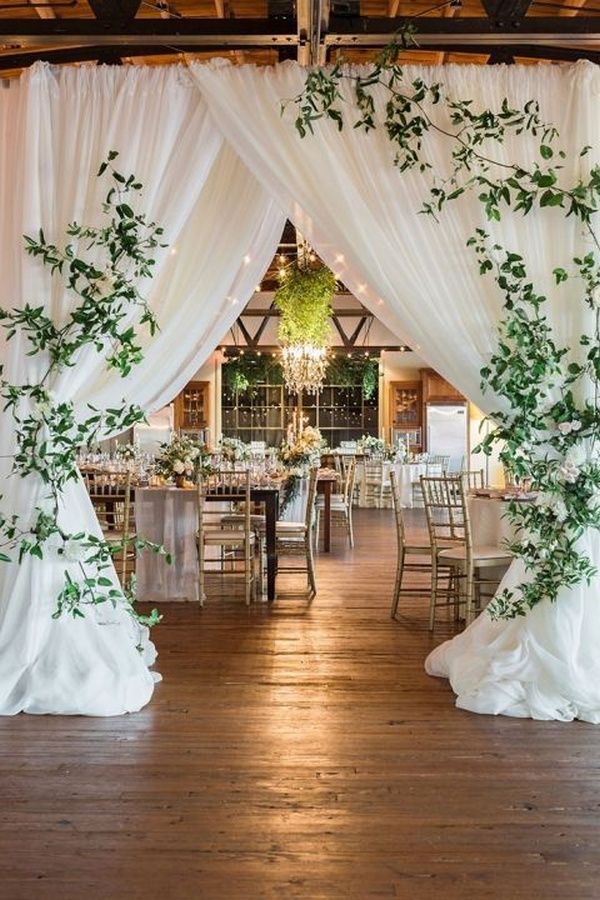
{"x": 361, "y": 214}
{"x": 418, "y": 277}
{"x": 222, "y": 228}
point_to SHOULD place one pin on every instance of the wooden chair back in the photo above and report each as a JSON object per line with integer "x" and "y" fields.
{"x": 225, "y": 488}
{"x": 309, "y": 517}
{"x": 349, "y": 481}
{"x": 446, "y": 510}
{"x": 473, "y": 478}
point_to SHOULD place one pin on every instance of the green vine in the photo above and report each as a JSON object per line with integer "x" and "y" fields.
{"x": 106, "y": 317}
{"x": 545, "y": 432}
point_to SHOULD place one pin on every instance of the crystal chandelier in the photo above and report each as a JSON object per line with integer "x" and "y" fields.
{"x": 304, "y": 367}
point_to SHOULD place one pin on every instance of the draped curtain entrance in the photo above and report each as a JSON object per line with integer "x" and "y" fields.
{"x": 222, "y": 169}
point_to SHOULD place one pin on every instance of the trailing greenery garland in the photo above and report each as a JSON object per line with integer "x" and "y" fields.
{"x": 106, "y": 317}
{"x": 304, "y": 301}
{"x": 545, "y": 432}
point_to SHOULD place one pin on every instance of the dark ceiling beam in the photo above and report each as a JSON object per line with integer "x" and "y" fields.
{"x": 19, "y": 60}
{"x": 502, "y": 11}
{"x": 501, "y": 56}
{"x": 114, "y": 10}
{"x": 525, "y": 51}
{"x": 346, "y": 313}
{"x": 438, "y": 31}
{"x": 196, "y": 31}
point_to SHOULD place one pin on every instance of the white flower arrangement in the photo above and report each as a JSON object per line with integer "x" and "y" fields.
{"x": 371, "y": 445}
{"x": 234, "y": 450}
{"x": 303, "y": 450}
{"x": 181, "y": 456}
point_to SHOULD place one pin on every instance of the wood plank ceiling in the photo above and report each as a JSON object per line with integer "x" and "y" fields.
{"x": 265, "y": 31}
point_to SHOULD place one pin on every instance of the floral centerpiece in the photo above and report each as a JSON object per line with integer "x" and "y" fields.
{"x": 303, "y": 449}
{"x": 234, "y": 450}
{"x": 127, "y": 453}
{"x": 182, "y": 458}
{"x": 300, "y": 451}
{"x": 371, "y": 446}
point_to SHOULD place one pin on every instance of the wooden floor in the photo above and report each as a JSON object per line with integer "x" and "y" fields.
{"x": 300, "y": 752}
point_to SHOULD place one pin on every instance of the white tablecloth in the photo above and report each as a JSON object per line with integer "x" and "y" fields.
{"x": 406, "y": 474}
{"x": 167, "y": 516}
{"x": 489, "y": 525}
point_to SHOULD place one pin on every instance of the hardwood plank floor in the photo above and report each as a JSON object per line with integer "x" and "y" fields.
{"x": 300, "y": 751}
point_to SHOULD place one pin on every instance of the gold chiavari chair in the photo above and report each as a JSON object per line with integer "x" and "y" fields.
{"x": 341, "y": 504}
{"x": 236, "y": 543}
{"x": 473, "y": 478}
{"x": 295, "y": 539}
{"x": 455, "y": 558}
{"x": 112, "y": 497}
{"x": 420, "y": 553}
{"x": 377, "y": 486}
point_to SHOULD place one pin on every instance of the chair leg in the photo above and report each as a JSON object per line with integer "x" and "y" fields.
{"x": 398, "y": 584}
{"x": 433, "y": 597}
{"x": 248, "y": 555}
{"x": 350, "y": 525}
{"x": 201, "y": 593}
{"x": 310, "y": 566}
{"x": 469, "y": 583}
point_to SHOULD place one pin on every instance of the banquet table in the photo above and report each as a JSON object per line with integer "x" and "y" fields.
{"x": 168, "y": 516}
{"x": 406, "y": 475}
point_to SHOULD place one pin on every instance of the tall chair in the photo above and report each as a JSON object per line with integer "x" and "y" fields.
{"x": 376, "y": 485}
{"x": 421, "y": 553}
{"x": 112, "y": 497}
{"x": 235, "y": 541}
{"x": 295, "y": 539}
{"x": 455, "y": 558}
{"x": 473, "y": 478}
{"x": 341, "y": 504}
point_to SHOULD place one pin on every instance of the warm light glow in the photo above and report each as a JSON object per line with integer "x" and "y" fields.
{"x": 304, "y": 367}
{"x": 246, "y": 259}
{"x": 339, "y": 258}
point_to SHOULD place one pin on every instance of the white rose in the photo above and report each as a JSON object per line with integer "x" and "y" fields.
{"x": 74, "y": 551}
{"x": 178, "y": 467}
{"x": 568, "y": 472}
{"x": 575, "y": 425}
{"x": 565, "y": 427}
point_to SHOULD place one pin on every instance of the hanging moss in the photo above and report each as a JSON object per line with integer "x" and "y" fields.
{"x": 304, "y": 301}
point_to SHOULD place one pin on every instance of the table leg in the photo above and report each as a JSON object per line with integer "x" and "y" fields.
{"x": 327, "y": 486}
{"x": 271, "y": 510}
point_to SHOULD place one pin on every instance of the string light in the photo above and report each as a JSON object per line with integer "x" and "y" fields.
{"x": 246, "y": 259}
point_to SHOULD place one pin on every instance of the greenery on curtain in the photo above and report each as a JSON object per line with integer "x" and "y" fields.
{"x": 107, "y": 314}
{"x": 548, "y": 428}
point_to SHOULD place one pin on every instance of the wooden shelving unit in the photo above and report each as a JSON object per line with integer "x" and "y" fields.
{"x": 191, "y": 407}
